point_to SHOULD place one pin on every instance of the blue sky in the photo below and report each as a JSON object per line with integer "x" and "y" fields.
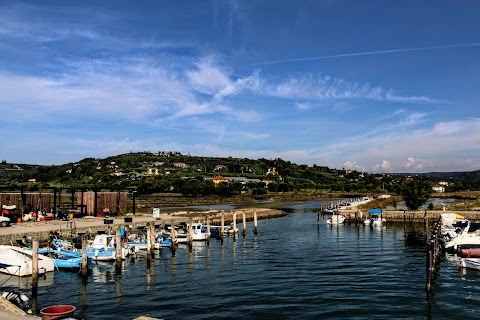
{"x": 376, "y": 86}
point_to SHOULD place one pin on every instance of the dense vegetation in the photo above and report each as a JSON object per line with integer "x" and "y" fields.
{"x": 165, "y": 172}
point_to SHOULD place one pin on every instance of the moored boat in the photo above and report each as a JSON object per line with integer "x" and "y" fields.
{"x": 470, "y": 263}
{"x": 18, "y": 261}
{"x": 336, "y": 219}
{"x": 66, "y": 259}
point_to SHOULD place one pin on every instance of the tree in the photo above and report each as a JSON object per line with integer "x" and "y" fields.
{"x": 415, "y": 192}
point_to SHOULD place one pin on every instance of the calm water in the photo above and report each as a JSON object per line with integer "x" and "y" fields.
{"x": 293, "y": 269}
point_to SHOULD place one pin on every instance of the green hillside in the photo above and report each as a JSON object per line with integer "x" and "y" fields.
{"x": 149, "y": 172}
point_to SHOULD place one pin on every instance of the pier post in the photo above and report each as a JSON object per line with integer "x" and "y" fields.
{"x": 318, "y": 217}
{"x": 208, "y": 230}
{"x": 222, "y": 226}
{"x": 190, "y": 233}
{"x": 244, "y": 224}
{"x": 173, "y": 236}
{"x": 153, "y": 236}
{"x": 149, "y": 246}
{"x": 84, "y": 256}
{"x": 255, "y": 226}
{"x": 35, "y": 263}
{"x": 234, "y": 225}
{"x": 118, "y": 248}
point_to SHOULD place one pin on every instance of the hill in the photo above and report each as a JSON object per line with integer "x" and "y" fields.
{"x": 149, "y": 172}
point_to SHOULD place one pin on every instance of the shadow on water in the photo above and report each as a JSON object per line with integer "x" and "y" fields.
{"x": 415, "y": 236}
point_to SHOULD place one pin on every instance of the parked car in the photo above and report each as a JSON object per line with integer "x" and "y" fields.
{"x": 4, "y": 221}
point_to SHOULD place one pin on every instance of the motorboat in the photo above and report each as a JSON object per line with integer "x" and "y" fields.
{"x": 470, "y": 263}
{"x": 336, "y": 219}
{"x": 199, "y": 233}
{"x": 162, "y": 242}
{"x": 374, "y": 221}
{"x": 103, "y": 248}
{"x": 66, "y": 259}
{"x": 18, "y": 261}
{"x": 468, "y": 237}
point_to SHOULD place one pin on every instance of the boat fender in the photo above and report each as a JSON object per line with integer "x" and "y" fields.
{"x": 19, "y": 299}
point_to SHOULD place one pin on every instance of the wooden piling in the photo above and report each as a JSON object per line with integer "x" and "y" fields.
{"x": 190, "y": 232}
{"x": 244, "y": 224}
{"x": 234, "y": 224}
{"x": 174, "y": 238}
{"x": 35, "y": 263}
{"x": 152, "y": 237}
{"x": 208, "y": 230}
{"x": 255, "y": 226}
{"x": 118, "y": 248}
{"x": 84, "y": 270}
{"x": 149, "y": 246}
{"x": 222, "y": 225}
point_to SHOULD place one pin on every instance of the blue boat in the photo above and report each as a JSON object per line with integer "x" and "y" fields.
{"x": 66, "y": 259}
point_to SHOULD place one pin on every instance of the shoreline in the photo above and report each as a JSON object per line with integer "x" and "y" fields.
{"x": 40, "y": 230}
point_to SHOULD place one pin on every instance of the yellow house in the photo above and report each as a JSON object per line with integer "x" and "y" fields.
{"x": 218, "y": 179}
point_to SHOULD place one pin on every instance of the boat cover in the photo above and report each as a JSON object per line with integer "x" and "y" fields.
{"x": 375, "y": 211}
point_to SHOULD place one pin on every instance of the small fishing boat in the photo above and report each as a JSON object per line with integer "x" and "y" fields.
{"x": 103, "y": 248}
{"x": 18, "y": 261}
{"x": 163, "y": 242}
{"x": 374, "y": 221}
{"x": 199, "y": 233}
{"x": 65, "y": 259}
{"x": 375, "y": 218}
{"x": 470, "y": 263}
{"x": 336, "y": 219}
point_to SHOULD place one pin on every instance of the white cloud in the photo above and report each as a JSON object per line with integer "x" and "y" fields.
{"x": 385, "y": 166}
{"x": 324, "y": 87}
{"x": 353, "y": 165}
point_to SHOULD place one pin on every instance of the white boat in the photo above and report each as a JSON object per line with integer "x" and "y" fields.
{"x": 18, "y": 261}
{"x": 103, "y": 248}
{"x": 336, "y": 219}
{"x": 470, "y": 263}
{"x": 374, "y": 221}
{"x": 199, "y": 233}
{"x": 466, "y": 238}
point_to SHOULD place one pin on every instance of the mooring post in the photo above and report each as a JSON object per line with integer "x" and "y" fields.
{"x": 149, "y": 246}
{"x": 234, "y": 224}
{"x": 255, "y": 226}
{"x": 222, "y": 226}
{"x": 84, "y": 256}
{"x": 173, "y": 236}
{"x": 190, "y": 232}
{"x": 118, "y": 248}
{"x": 35, "y": 263}
{"x": 244, "y": 224}
{"x": 208, "y": 230}
{"x": 153, "y": 239}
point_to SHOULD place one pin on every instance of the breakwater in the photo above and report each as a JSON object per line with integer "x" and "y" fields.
{"x": 407, "y": 215}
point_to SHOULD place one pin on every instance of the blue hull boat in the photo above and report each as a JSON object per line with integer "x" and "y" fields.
{"x": 66, "y": 259}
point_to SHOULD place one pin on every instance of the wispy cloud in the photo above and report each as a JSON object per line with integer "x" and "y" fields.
{"x": 325, "y": 87}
